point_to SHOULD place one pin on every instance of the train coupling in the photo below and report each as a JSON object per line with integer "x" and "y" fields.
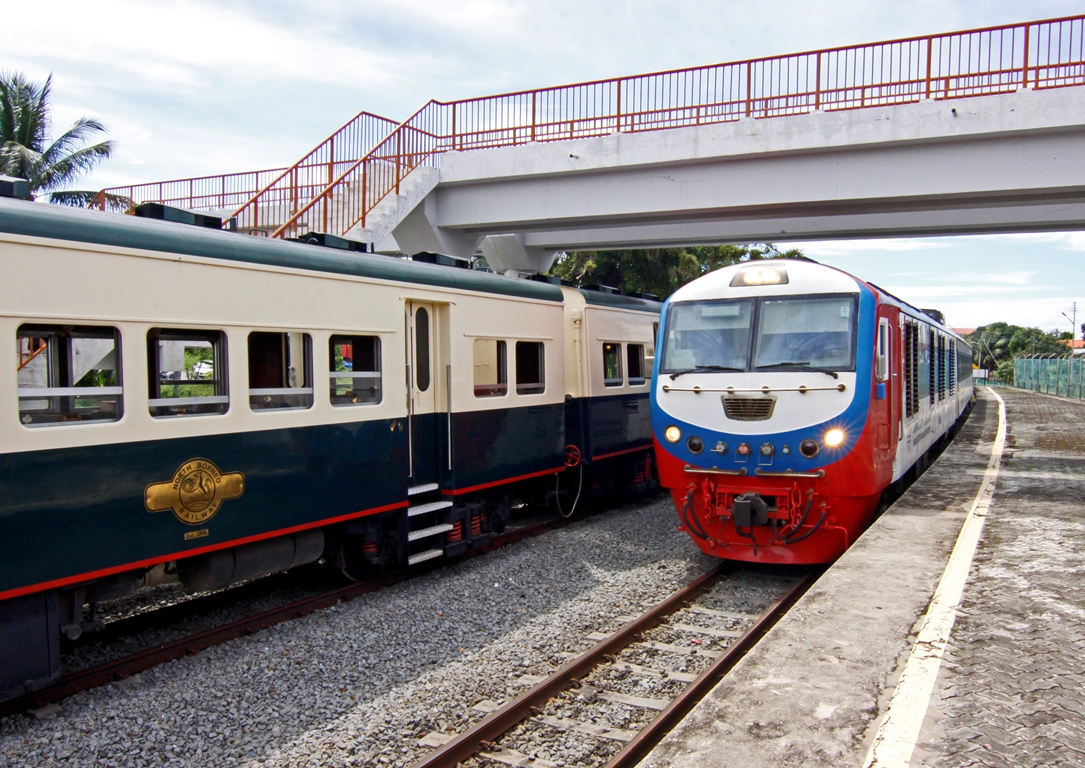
{"x": 749, "y": 510}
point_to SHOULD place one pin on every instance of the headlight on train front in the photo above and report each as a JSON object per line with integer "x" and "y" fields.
{"x": 834, "y": 438}
{"x": 673, "y": 434}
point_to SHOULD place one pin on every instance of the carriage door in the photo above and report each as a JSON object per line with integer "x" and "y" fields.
{"x": 424, "y": 381}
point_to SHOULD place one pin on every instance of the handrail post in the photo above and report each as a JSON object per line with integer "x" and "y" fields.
{"x": 749, "y": 82}
{"x": 817, "y": 85}
{"x": 365, "y": 192}
{"x": 618, "y": 113}
{"x": 399, "y": 159}
{"x": 453, "y": 135}
{"x": 1024, "y": 72}
{"x": 534, "y": 94}
{"x": 930, "y": 54}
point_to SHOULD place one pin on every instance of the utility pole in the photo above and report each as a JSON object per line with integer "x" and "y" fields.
{"x": 1073, "y": 320}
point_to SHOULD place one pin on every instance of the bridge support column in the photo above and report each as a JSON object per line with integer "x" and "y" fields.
{"x": 507, "y": 254}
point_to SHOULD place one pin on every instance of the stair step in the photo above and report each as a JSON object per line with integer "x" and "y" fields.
{"x": 432, "y": 506}
{"x": 422, "y": 557}
{"x": 433, "y": 530}
{"x": 422, "y": 488}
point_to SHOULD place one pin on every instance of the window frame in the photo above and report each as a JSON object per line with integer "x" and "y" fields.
{"x": 531, "y": 387}
{"x": 342, "y": 401}
{"x": 500, "y": 388}
{"x": 219, "y": 340}
{"x": 305, "y": 394}
{"x": 620, "y": 380}
{"x": 63, "y": 399}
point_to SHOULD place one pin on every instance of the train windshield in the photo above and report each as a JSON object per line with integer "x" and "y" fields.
{"x": 813, "y": 331}
{"x": 709, "y": 335}
{"x": 761, "y": 334}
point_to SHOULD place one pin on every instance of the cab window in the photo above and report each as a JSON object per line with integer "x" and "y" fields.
{"x": 530, "y": 368}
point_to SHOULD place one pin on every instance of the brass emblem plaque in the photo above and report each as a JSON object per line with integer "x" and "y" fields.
{"x": 196, "y": 491}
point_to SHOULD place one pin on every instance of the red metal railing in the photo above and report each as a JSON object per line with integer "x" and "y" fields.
{"x": 265, "y": 199}
{"x": 993, "y": 60}
{"x": 1043, "y": 54}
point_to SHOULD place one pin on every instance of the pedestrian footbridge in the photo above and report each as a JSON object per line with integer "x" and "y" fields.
{"x": 980, "y": 131}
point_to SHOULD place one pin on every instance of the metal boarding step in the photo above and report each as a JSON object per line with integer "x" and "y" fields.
{"x": 433, "y": 530}
{"x": 422, "y": 557}
{"x": 417, "y": 489}
{"x": 432, "y": 506}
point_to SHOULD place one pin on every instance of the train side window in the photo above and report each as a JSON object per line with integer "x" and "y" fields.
{"x": 612, "y": 365}
{"x": 530, "y": 368}
{"x": 280, "y": 370}
{"x": 68, "y": 374}
{"x": 355, "y": 370}
{"x": 490, "y": 368}
{"x": 882, "y": 371}
{"x": 187, "y": 370}
{"x": 634, "y": 354}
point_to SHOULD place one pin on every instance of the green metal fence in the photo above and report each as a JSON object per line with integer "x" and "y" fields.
{"x": 1054, "y": 375}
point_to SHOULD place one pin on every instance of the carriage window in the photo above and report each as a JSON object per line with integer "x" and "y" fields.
{"x": 634, "y": 354}
{"x": 68, "y": 375}
{"x": 355, "y": 375}
{"x": 421, "y": 349}
{"x": 612, "y": 365}
{"x": 280, "y": 370}
{"x": 187, "y": 372}
{"x": 530, "y": 367}
{"x": 491, "y": 377}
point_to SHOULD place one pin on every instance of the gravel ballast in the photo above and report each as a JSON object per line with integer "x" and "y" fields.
{"x": 360, "y": 683}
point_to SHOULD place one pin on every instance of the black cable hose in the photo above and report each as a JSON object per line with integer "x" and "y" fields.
{"x": 817, "y": 525}
{"x": 802, "y": 520}
{"x": 699, "y": 530}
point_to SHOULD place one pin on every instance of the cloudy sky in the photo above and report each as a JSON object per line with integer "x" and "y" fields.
{"x": 190, "y": 88}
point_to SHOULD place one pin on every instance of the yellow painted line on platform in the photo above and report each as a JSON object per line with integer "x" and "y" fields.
{"x": 898, "y": 733}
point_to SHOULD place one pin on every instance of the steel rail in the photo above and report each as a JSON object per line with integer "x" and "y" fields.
{"x": 501, "y": 720}
{"x": 663, "y": 723}
{"x": 118, "y": 669}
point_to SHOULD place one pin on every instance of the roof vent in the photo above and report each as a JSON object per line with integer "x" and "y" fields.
{"x": 13, "y": 187}
{"x": 602, "y": 289}
{"x": 333, "y": 241}
{"x": 550, "y": 279}
{"x": 935, "y": 315}
{"x": 643, "y": 295}
{"x": 181, "y": 216}
{"x": 444, "y": 260}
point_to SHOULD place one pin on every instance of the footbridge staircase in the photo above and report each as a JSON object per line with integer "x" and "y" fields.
{"x": 655, "y": 158}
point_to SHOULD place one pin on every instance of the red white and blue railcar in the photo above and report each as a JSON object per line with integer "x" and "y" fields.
{"x": 787, "y": 397}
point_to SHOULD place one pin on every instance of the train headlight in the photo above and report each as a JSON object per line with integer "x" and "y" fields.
{"x": 673, "y": 434}
{"x": 834, "y": 438}
{"x": 759, "y": 276}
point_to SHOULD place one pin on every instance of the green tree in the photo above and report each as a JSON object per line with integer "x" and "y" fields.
{"x": 661, "y": 271}
{"x": 995, "y": 346}
{"x": 27, "y": 152}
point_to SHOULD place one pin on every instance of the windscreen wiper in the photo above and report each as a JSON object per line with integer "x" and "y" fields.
{"x": 799, "y": 366}
{"x": 700, "y": 368}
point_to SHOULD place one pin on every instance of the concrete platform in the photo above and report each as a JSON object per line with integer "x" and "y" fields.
{"x": 816, "y": 690}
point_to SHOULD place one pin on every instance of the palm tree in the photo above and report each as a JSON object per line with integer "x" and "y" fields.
{"x": 25, "y": 150}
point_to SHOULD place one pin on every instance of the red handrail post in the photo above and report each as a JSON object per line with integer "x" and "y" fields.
{"x": 749, "y": 85}
{"x": 453, "y": 133}
{"x": 533, "y": 95}
{"x": 817, "y": 84}
{"x": 930, "y": 53}
{"x": 1024, "y": 73}
{"x": 618, "y": 113}
{"x": 399, "y": 136}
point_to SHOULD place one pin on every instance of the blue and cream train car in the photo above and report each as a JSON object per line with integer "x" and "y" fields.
{"x": 184, "y": 403}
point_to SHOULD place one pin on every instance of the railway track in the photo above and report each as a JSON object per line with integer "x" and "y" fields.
{"x": 189, "y": 645}
{"x": 716, "y": 638}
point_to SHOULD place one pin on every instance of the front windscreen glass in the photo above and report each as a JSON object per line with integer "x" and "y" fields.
{"x": 818, "y": 332}
{"x": 712, "y": 335}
